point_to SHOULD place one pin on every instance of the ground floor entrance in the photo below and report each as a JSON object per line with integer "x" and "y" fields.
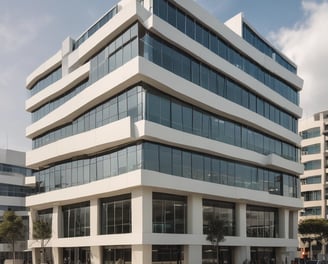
{"x": 168, "y": 254}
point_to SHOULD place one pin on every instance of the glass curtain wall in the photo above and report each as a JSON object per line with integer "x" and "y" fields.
{"x": 169, "y": 213}
{"x": 45, "y": 216}
{"x": 262, "y": 221}
{"x": 157, "y": 157}
{"x": 199, "y": 32}
{"x": 116, "y": 255}
{"x": 222, "y": 210}
{"x": 127, "y": 103}
{"x": 116, "y": 214}
{"x": 209, "y": 255}
{"x": 171, "y": 112}
{"x": 78, "y": 255}
{"x": 262, "y": 255}
{"x": 168, "y": 254}
{"x": 76, "y": 219}
{"x": 176, "y": 61}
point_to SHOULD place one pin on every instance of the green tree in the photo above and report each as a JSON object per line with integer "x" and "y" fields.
{"x": 11, "y": 230}
{"x": 215, "y": 233}
{"x": 42, "y": 231}
{"x": 313, "y": 229}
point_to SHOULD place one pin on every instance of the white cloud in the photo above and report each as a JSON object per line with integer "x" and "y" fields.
{"x": 307, "y": 45}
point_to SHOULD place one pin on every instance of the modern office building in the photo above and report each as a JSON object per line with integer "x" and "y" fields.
{"x": 156, "y": 120}
{"x": 13, "y": 191}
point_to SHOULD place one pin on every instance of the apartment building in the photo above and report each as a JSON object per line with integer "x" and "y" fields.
{"x": 155, "y": 120}
{"x": 13, "y": 190}
{"x": 313, "y": 131}
{"x": 313, "y": 181}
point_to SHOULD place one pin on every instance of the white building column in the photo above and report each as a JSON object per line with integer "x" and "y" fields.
{"x": 142, "y": 211}
{"x": 95, "y": 255}
{"x": 32, "y": 214}
{"x": 193, "y": 253}
{"x": 96, "y": 251}
{"x": 57, "y": 254}
{"x": 285, "y": 230}
{"x": 57, "y": 227}
{"x": 293, "y": 224}
{"x": 195, "y": 215}
{"x": 94, "y": 217}
{"x": 141, "y": 254}
{"x": 241, "y": 224}
{"x": 244, "y": 252}
{"x": 283, "y": 223}
{"x": 57, "y": 222}
{"x": 35, "y": 255}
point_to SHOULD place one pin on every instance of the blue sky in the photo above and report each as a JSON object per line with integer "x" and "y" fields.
{"x": 31, "y": 31}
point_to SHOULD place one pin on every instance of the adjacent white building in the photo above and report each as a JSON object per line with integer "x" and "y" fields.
{"x": 314, "y": 145}
{"x": 314, "y": 157}
{"x": 156, "y": 120}
{"x": 13, "y": 191}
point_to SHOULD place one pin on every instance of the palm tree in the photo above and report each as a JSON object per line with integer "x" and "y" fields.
{"x": 215, "y": 233}
{"x": 11, "y": 229}
{"x": 42, "y": 231}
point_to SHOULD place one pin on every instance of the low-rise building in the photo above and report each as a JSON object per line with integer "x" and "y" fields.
{"x": 13, "y": 191}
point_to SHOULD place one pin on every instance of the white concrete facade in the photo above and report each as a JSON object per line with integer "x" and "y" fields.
{"x": 140, "y": 183}
{"x": 318, "y": 121}
{"x": 314, "y": 144}
{"x": 12, "y": 196}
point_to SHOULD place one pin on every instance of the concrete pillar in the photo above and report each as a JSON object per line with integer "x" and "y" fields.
{"x": 195, "y": 215}
{"x": 94, "y": 217}
{"x": 57, "y": 232}
{"x": 192, "y": 254}
{"x": 141, "y": 207}
{"x": 35, "y": 251}
{"x": 96, "y": 255}
{"x": 241, "y": 254}
{"x": 35, "y": 255}
{"x": 57, "y": 222}
{"x": 241, "y": 220}
{"x": 283, "y": 223}
{"x": 244, "y": 252}
{"x": 141, "y": 254}
{"x": 57, "y": 254}
{"x": 32, "y": 214}
{"x": 293, "y": 224}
